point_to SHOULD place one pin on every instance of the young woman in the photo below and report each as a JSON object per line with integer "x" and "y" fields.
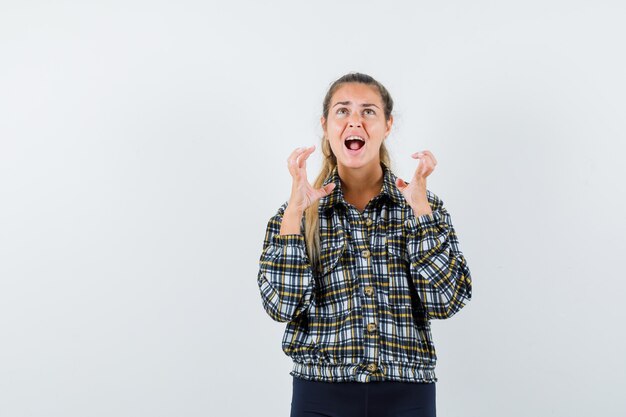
{"x": 358, "y": 264}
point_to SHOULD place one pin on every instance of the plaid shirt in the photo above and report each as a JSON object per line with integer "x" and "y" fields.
{"x": 384, "y": 274}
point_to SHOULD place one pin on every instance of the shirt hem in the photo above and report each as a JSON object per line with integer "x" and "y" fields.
{"x": 358, "y": 373}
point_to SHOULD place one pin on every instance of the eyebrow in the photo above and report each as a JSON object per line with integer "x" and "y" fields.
{"x": 345, "y": 103}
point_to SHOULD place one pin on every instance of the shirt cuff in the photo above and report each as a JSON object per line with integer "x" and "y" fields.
{"x": 290, "y": 240}
{"x": 415, "y": 224}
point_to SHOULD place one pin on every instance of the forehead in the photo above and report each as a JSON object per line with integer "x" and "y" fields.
{"x": 357, "y": 93}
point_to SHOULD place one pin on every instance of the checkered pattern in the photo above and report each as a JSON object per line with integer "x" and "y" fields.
{"x": 363, "y": 314}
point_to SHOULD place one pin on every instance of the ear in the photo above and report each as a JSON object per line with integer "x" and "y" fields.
{"x": 323, "y": 123}
{"x": 389, "y": 124}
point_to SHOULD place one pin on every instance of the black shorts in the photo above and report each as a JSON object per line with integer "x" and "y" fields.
{"x": 358, "y": 399}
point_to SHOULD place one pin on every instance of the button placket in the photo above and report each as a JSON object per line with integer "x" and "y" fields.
{"x": 368, "y": 221}
{"x": 362, "y": 246}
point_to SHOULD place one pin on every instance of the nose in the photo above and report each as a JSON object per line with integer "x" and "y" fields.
{"x": 355, "y": 120}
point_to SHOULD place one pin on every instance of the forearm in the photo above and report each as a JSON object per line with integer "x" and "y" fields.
{"x": 285, "y": 276}
{"x": 422, "y": 209}
{"x": 290, "y": 224}
{"x": 437, "y": 265}
{"x": 419, "y": 203}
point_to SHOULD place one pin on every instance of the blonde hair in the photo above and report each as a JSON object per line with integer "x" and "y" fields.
{"x": 329, "y": 161}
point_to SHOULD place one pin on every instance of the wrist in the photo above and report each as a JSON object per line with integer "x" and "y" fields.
{"x": 421, "y": 209}
{"x": 293, "y": 210}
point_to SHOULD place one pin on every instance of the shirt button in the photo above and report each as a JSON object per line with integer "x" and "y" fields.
{"x": 369, "y": 221}
{"x": 371, "y": 327}
{"x": 369, "y": 291}
{"x": 371, "y": 367}
{"x": 365, "y": 253}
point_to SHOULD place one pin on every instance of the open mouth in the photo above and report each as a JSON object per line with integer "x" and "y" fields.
{"x": 354, "y": 143}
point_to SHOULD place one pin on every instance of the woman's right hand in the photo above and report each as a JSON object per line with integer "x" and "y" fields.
{"x": 302, "y": 193}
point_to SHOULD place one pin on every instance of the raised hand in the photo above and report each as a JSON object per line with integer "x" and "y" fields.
{"x": 302, "y": 193}
{"x": 415, "y": 191}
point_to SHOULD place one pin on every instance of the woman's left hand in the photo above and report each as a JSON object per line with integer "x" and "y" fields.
{"x": 415, "y": 191}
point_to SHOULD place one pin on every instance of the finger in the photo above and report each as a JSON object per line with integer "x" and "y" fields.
{"x": 293, "y": 158}
{"x": 425, "y": 167}
{"x": 304, "y": 156}
{"x": 431, "y": 162}
{"x": 430, "y": 154}
{"x": 292, "y": 164}
{"x": 421, "y": 168}
{"x": 426, "y": 158}
{"x": 324, "y": 190}
{"x": 328, "y": 188}
{"x": 424, "y": 154}
{"x": 294, "y": 154}
{"x": 307, "y": 151}
{"x": 421, "y": 160}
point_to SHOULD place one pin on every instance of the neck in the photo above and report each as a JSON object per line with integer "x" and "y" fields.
{"x": 360, "y": 181}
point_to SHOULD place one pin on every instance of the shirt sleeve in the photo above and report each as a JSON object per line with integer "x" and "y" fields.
{"x": 285, "y": 276}
{"x": 438, "y": 267}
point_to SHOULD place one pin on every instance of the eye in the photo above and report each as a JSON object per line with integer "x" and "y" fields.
{"x": 372, "y": 111}
{"x": 339, "y": 111}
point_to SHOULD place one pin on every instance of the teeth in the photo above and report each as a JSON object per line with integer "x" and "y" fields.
{"x": 355, "y": 138}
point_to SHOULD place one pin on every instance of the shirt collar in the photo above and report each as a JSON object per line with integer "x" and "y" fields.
{"x": 389, "y": 189}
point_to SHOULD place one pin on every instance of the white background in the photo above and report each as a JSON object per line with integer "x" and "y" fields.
{"x": 144, "y": 146}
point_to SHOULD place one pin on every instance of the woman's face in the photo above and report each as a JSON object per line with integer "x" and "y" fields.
{"x": 356, "y": 109}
